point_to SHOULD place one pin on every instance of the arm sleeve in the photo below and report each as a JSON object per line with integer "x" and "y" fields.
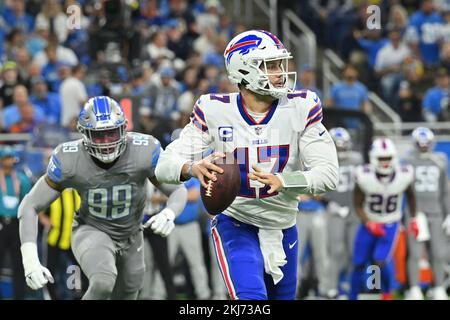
{"x": 193, "y": 142}
{"x": 319, "y": 157}
{"x": 177, "y": 197}
{"x": 39, "y": 198}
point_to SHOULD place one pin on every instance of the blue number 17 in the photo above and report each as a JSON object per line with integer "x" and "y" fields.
{"x": 280, "y": 153}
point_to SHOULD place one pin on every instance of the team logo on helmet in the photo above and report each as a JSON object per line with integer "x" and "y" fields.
{"x": 243, "y": 46}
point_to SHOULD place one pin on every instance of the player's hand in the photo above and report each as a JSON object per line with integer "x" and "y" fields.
{"x": 36, "y": 275}
{"x": 205, "y": 168}
{"x": 162, "y": 223}
{"x": 413, "y": 228}
{"x": 376, "y": 228}
{"x": 446, "y": 225}
{"x": 269, "y": 179}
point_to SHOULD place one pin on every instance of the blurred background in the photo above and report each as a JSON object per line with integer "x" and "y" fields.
{"x": 381, "y": 70}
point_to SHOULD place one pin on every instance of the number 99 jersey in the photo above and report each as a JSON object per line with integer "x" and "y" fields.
{"x": 112, "y": 200}
{"x": 384, "y": 198}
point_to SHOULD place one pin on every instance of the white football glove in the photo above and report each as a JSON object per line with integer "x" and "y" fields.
{"x": 446, "y": 225}
{"x": 162, "y": 223}
{"x": 36, "y": 275}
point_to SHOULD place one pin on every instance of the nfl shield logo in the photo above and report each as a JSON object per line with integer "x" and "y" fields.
{"x": 258, "y": 130}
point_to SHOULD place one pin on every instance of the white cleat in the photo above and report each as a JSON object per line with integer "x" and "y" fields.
{"x": 415, "y": 293}
{"x": 439, "y": 293}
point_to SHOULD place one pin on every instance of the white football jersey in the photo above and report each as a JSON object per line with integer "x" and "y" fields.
{"x": 384, "y": 199}
{"x": 289, "y": 138}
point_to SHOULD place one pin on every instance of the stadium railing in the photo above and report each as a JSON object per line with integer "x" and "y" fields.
{"x": 269, "y": 10}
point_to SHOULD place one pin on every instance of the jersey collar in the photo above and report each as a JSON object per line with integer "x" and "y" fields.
{"x": 248, "y": 118}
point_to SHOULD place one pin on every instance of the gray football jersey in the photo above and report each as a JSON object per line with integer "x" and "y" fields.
{"x": 112, "y": 200}
{"x": 343, "y": 195}
{"x": 431, "y": 182}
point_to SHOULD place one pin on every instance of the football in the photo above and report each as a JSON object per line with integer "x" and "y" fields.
{"x": 221, "y": 193}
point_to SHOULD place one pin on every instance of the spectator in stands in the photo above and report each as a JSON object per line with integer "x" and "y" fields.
{"x": 179, "y": 10}
{"x": 73, "y": 95}
{"x": 307, "y": 79}
{"x": 10, "y": 79}
{"x": 50, "y": 70}
{"x": 13, "y": 114}
{"x": 49, "y": 102}
{"x": 371, "y": 42}
{"x": 445, "y": 56}
{"x": 423, "y": 33}
{"x": 23, "y": 61}
{"x": 164, "y": 94}
{"x": 16, "y": 17}
{"x": 14, "y": 186}
{"x": 436, "y": 101}
{"x": 28, "y": 120}
{"x": 349, "y": 93}
{"x": 388, "y": 65}
{"x": 408, "y": 104}
{"x": 398, "y": 18}
{"x": 52, "y": 16}
{"x": 62, "y": 54}
{"x": 157, "y": 48}
{"x": 15, "y": 39}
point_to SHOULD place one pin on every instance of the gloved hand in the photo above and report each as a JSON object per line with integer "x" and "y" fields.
{"x": 162, "y": 223}
{"x": 446, "y": 225}
{"x": 36, "y": 275}
{"x": 413, "y": 228}
{"x": 376, "y": 228}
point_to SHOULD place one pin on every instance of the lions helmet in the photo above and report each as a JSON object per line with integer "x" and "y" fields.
{"x": 341, "y": 139}
{"x": 103, "y": 126}
{"x": 383, "y": 156}
{"x": 246, "y": 58}
{"x": 423, "y": 139}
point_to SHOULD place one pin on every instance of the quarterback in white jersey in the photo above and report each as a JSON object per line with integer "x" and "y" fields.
{"x": 378, "y": 199}
{"x": 283, "y": 150}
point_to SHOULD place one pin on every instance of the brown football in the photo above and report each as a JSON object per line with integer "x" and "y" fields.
{"x": 222, "y": 192}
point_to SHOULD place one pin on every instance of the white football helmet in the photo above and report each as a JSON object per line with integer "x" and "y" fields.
{"x": 341, "y": 139}
{"x": 103, "y": 126}
{"x": 423, "y": 139}
{"x": 383, "y": 156}
{"x": 246, "y": 58}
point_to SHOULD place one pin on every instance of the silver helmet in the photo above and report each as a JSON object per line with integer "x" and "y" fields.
{"x": 103, "y": 126}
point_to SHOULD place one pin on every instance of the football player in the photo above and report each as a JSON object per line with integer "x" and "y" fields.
{"x": 342, "y": 220}
{"x": 433, "y": 200}
{"x": 378, "y": 197}
{"x": 282, "y": 149}
{"x": 108, "y": 167}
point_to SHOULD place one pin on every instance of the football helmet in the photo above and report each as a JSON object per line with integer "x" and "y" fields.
{"x": 383, "y": 156}
{"x": 103, "y": 126}
{"x": 246, "y": 59}
{"x": 341, "y": 139}
{"x": 423, "y": 139}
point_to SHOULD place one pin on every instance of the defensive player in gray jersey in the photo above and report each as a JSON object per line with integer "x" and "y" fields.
{"x": 342, "y": 221}
{"x": 433, "y": 200}
{"x": 109, "y": 168}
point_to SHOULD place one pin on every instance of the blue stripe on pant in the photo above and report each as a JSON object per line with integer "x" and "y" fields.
{"x": 242, "y": 264}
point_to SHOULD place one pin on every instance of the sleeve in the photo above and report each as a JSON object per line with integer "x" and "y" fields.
{"x": 56, "y": 172}
{"x": 427, "y": 100}
{"x": 194, "y": 140}
{"x": 317, "y": 154}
